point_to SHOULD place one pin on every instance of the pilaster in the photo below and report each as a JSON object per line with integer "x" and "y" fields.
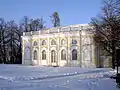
{"x": 38, "y": 62}
{"x": 22, "y": 46}
{"x": 58, "y": 51}
{"x": 80, "y": 47}
{"x": 31, "y": 48}
{"x": 68, "y": 52}
{"x": 48, "y": 52}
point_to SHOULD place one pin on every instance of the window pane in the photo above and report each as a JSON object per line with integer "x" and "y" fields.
{"x": 43, "y": 55}
{"x": 63, "y": 55}
{"x": 53, "y": 56}
{"x": 53, "y": 42}
{"x": 74, "y": 41}
{"x": 74, "y": 54}
{"x": 35, "y": 55}
{"x": 35, "y": 43}
{"x": 43, "y": 42}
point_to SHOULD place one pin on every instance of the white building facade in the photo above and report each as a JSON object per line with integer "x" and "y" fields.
{"x": 61, "y": 46}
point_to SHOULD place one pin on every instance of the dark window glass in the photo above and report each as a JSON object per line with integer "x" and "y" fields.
{"x": 35, "y": 55}
{"x": 53, "y": 56}
{"x": 43, "y": 42}
{"x": 74, "y": 41}
{"x": 35, "y": 43}
{"x": 53, "y": 42}
{"x": 74, "y": 54}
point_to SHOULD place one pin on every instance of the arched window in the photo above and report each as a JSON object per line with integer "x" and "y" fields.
{"x": 35, "y": 43}
{"x": 53, "y": 56}
{"x": 43, "y": 42}
{"x": 53, "y": 42}
{"x": 35, "y": 55}
{"x": 63, "y": 55}
{"x": 43, "y": 55}
{"x": 74, "y": 54}
{"x": 62, "y": 42}
{"x": 74, "y": 41}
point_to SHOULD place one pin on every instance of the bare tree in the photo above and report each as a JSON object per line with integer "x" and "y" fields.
{"x": 19, "y": 32}
{"x": 25, "y": 23}
{"x": 107, "y": 27}
{"x": 36, "y": 24}
{"x": 12, "y": 40}
{"x": 2, "y": 41}
{"x": 55, "y": 19}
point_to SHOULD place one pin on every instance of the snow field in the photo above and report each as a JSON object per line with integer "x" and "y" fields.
{"x": 19, "y": 77}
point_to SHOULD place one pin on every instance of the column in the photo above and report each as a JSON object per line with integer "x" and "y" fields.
{"x": 31, "y": 48}
{"x": 38, "y": 62}
{"x": 58, "y": 51}
{"x": 48, "y": 51}
{"x": 22, "y": 46}
{"x": 68, "y": 52}
{"x": 93, "y": 53}
{"x": 80, "y": 48}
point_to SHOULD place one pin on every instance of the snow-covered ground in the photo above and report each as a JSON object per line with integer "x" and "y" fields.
{"x": 19, "y": 77}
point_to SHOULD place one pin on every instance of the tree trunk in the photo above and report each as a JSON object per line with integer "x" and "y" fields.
{"x": 113, "y": 60}
{"x": 113, "y": 53}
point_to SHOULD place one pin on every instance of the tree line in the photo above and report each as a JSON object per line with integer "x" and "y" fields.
{"x": 10, "y": 36}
